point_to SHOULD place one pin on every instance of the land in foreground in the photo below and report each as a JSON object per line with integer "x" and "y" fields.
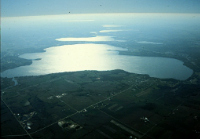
{"x": 92, "y": 104}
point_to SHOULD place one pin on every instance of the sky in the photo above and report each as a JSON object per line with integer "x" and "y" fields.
{"x": 12, "y": 8}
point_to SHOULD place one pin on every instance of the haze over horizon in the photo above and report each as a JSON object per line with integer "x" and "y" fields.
{"x": 11, "y": 8}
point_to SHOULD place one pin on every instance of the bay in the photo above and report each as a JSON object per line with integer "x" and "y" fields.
{"x": 101, "y": 57}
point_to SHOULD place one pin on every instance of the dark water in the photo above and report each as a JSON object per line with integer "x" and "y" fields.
{"x": 92, "y": 42}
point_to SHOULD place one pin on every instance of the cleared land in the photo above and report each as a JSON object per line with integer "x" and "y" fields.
{"x": 109, "y": 104}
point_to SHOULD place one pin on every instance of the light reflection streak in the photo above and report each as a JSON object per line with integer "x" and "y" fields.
{"x": 106, "y": 31}
{"x": 112, "y": 26}
{"x": 146, "y": 42}
{"x": 90, "y": 39}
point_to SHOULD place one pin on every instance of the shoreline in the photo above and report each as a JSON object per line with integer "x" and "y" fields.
{"x": 126, "y": 53}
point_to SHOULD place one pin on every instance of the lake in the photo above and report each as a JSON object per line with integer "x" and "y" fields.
{"x": 92, "y": 42}
{"x": 101, "y": 57}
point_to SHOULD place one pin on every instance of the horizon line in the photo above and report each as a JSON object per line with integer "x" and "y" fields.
{"x": 94, "y": 14}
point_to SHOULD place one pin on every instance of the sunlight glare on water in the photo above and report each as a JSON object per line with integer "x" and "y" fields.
{"x": 87, "y": 42}
{"x": 99, "y": 57}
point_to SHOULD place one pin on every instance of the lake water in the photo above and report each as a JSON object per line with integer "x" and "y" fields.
{"x": 99, "y": 57}
{"x": 93, "y": 42}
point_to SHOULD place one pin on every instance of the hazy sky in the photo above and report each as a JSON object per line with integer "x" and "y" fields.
{"x": 52, "y": 7}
